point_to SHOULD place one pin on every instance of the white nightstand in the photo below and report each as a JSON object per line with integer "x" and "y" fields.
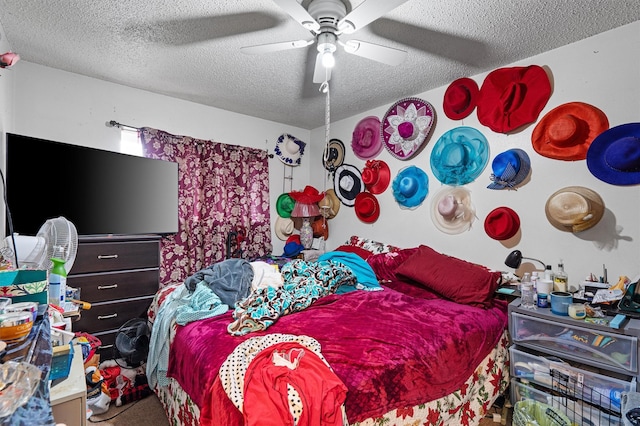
{"x": 69, "y": 397}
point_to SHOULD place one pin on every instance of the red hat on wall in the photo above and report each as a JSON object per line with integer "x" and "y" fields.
{"x": 376, "y": 176}
{"x": 502, "y": 223}
{"x": 367, "y": 207}
{"x": 460, "y": 98}
{"x": 566, "y": 132}
{"x": 512, "y": 97}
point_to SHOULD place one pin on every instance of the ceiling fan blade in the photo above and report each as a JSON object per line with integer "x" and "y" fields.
{"x": 320, "y": 73}
{"x": 367, "y": 12}
{"x": 299, "y": 13}
{"x": 275, "y": 47}
{"x": 376, "y": 52}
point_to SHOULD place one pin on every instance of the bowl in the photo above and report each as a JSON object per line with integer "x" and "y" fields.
{"x": 15, "y": 325}
{"x": 18, "y": 382}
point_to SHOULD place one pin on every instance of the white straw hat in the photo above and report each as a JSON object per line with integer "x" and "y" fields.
{"x": 452, "y": 211}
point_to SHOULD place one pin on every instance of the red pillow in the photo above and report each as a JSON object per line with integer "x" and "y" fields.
{"x": 355, "y": 249}
{"x": 385, "y": 264}
{"x": 458, "y": 280}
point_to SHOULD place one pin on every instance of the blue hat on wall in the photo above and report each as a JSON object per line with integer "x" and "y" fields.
{"x": 510, "y": 168}
{"x": 410, "y": 187}
{"x": 614, "y": 155}
{"x": 459, "y": 156}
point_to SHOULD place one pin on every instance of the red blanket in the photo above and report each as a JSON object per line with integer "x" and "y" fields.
{"x": 392, "y": 349}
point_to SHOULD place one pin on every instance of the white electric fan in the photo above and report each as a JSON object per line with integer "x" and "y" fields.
{"x": 56, "y": 238}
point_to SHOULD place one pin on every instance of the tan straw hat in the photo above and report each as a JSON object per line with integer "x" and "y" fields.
{"x": 330, "y": 204}
{"x": 283, "y": 228}
{"x": 574, "y": 209}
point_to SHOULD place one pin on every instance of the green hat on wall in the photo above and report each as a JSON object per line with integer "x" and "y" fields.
{"x": 285, "y": 205}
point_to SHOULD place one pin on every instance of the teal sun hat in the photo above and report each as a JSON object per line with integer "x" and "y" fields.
{"x": 410, "y": 187}
{"x": 459, "y": 156}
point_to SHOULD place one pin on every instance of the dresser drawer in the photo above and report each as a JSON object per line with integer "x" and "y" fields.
{"x": 116, "y": 256}
{"x": 577, "y": 411}
{"x": 108, "y": 316}
{"x": 578, "y": 380}
{"x": 105, "y": 286}
{"x": 591, "y": 346}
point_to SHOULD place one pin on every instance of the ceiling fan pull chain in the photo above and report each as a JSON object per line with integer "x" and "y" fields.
{"x": 327, "y": 124}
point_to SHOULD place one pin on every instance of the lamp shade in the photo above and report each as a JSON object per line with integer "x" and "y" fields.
{"x": 305, "y": 210}
{"x": 514, "y": 259}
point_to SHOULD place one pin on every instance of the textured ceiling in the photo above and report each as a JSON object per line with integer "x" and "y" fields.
{"x": 190, "y": 49}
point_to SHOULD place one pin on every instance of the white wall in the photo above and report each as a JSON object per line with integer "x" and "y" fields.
{"x": 66, "y": 107}
{"x": 604, "y": 71}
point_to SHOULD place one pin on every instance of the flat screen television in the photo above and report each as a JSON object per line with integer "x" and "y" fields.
{"x": 101, "y": 192}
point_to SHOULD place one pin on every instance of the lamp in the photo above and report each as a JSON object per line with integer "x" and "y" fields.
{"x": 306, "y": 212}
{"x": 514, "y": 259}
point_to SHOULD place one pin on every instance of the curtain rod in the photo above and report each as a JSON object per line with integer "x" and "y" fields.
{"x": 114, "y": 123}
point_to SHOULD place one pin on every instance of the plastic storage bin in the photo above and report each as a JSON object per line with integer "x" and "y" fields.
{"x": 594, "y": 347}
{"x": 585, "y": 384}
{"x": 61, "y": 362}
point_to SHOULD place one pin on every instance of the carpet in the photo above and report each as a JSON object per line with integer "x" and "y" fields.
{"x": 143, "y": 412}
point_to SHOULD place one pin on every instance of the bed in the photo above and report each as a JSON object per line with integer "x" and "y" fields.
{"x": 427, "y": 345}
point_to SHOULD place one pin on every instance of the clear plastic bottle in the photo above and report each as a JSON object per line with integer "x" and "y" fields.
{"x": 560, "y": 278}
{"x": 548, "y": 273}
{"x": 527, "y": 295}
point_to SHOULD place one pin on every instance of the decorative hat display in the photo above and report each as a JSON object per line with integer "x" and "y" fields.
{"x": 330, "y": 204}
{"x": 320, "y": 228}
{"x": 510, "y": 168}
{"x": 410, "y": 187}
{"x": 284, "y": 205}
{"x": 376, "y": 176}
{"x": 459, "y": 156}
{"x": 614, "y": 155}
{"x": 502, "y": 223}
{"x": 566, "y": 132}
{"x": 406, "y": 125}
{"x": 292, "y": 246}
{"x": 347, "y": 183}
{"x": 367, "y": 207}
{"x": 460, "y": 98}
{"x": 574, "y": 209}
{"x": 512, "y": 97}
{"x": 333, "y": 155}
{"x": 284, "y": 227}
{"x": 452, "y": 211}
{"x": 289, "y": 149}
{"x": 366, "y": 141}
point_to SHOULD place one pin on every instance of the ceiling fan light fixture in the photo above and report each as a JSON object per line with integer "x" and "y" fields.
{"x": 328, "y": 60}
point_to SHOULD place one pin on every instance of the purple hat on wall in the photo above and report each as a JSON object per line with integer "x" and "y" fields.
{"x": 366, "y": 142}
{"x": 614, "y": 155}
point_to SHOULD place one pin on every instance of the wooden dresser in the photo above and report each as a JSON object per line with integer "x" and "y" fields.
{"x": 118, "y": 275}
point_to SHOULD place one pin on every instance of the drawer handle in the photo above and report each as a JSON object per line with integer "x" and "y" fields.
{"x": 107, "y": 287}
{"x": 101, "y": 317}
{"x": 105, "y": 347}
{"x": 107, "y": 256}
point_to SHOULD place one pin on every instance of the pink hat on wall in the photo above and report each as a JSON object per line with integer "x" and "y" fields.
{"x": 366, "y": 141}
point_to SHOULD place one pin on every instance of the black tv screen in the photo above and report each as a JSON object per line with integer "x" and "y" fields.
{"x": 101, "y": 192}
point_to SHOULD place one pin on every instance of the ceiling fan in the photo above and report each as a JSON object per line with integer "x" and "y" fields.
{"x": 327, "y": 20}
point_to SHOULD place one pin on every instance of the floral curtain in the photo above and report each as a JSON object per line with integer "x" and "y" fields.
{"x": 222, "y": 189}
